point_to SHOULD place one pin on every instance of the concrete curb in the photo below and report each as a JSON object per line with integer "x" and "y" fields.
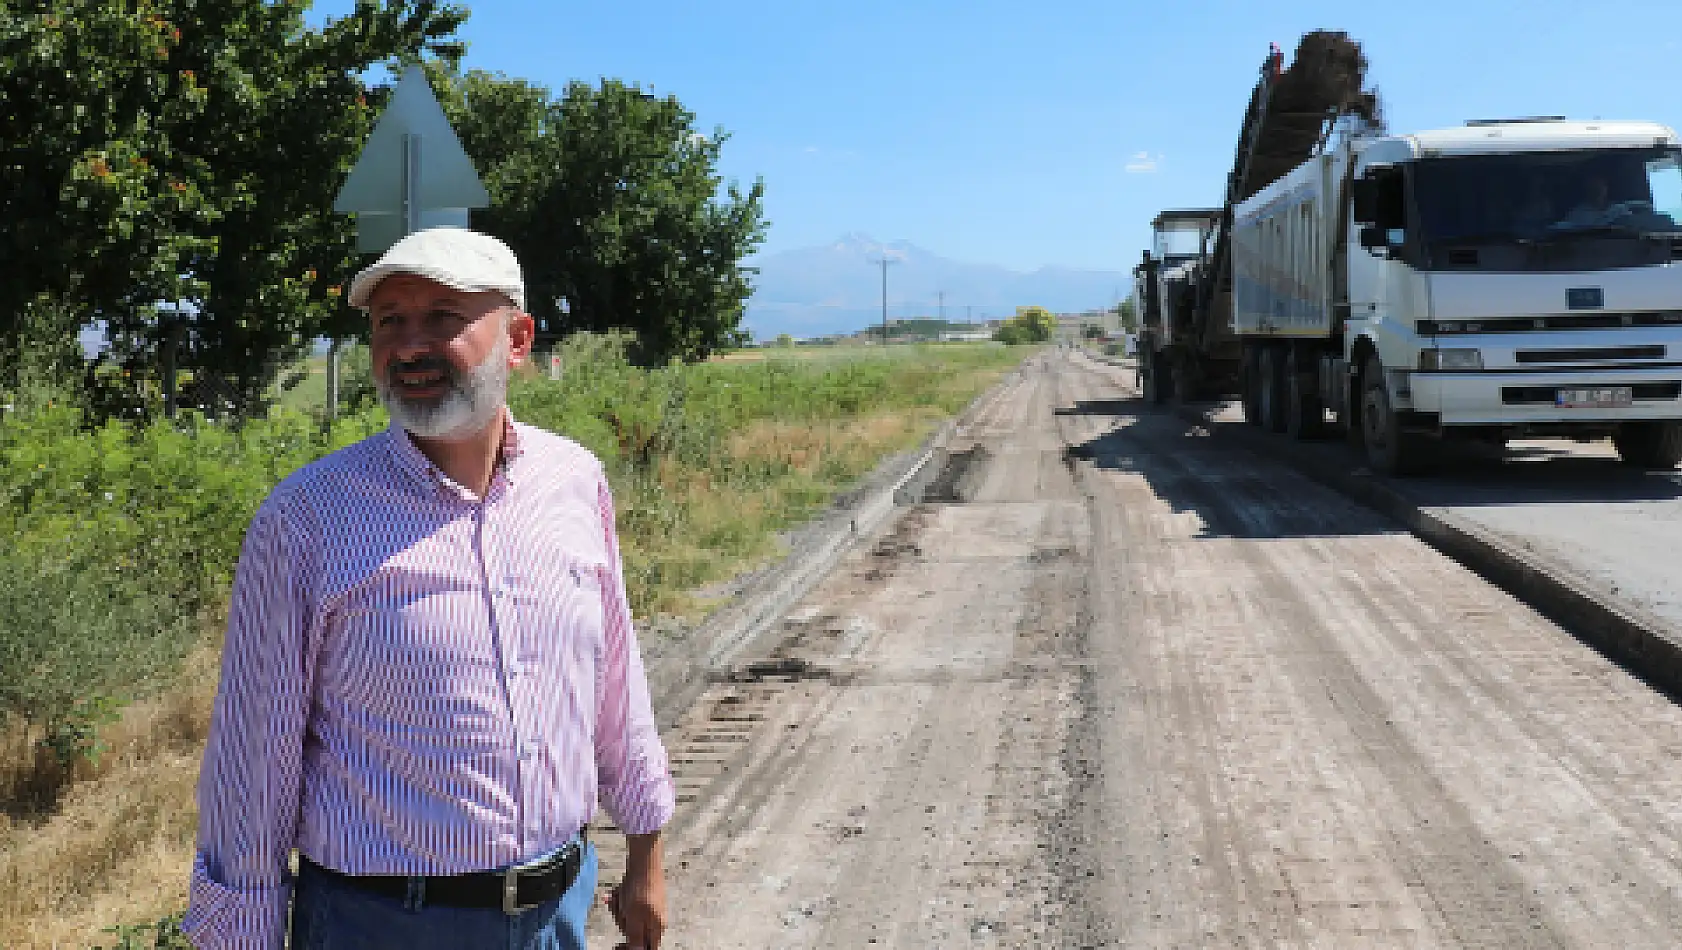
{"x": 678, "y": 670}
{"x": 1643, "y": 644}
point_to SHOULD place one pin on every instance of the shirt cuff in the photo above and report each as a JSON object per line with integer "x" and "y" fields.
{"x": 641, "y": 810}
{"x": 219, "y": 916}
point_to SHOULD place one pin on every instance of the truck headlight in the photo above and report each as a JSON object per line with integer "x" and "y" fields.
{"x": 1450, "y": 360}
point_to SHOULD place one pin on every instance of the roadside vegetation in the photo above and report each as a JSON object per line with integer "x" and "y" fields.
{"x": 117, "y": 546}
{"x": 1029, "y": 325}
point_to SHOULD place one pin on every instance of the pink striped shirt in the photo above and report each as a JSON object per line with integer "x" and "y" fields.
{"x": 416, "y": 681}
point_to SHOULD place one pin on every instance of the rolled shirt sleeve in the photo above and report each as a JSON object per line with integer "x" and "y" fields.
{"x": 249, "y": 785}
{"x": 635, "y": 781}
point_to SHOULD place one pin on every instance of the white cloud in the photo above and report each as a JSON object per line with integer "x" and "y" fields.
{"x": 810, "y": 150}
{"x": 1142, "y": 163}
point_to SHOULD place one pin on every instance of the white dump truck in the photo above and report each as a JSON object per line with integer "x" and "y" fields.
{"x": 1498, "y": 280}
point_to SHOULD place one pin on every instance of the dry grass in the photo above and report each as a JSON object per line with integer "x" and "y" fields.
{"x": 118, "y": 846}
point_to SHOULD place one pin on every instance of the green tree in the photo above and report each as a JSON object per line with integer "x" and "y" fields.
{"x": 174, "y": 150}
{"x": 1030, "y": 325}
{"x": 613, "y": 201}
{"x": 1037, "y": 322}
{"x": 1127, "y": 315}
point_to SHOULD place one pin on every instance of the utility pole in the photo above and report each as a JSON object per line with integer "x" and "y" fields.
{"x": 885, "y": 261}
{"x": 943, "y": 308}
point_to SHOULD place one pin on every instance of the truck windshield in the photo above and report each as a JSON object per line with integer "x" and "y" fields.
{"x": 1184, "y": 241}
{"x": 1580, "y": 210}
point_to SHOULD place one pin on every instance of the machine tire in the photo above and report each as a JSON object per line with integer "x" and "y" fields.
{"x": 1184, "y": 382}
{"x": 1305, "y": 417}
{"x": 1390, "y": 451}
{"x": 1155, "y": 386}
{"x": 1249, "y": 384}
{"x": 1655, "y": 445}
{"x": 1272, "y": 390}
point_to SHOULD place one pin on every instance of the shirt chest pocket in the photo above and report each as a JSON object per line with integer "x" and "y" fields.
{"x": 556, "y": 602}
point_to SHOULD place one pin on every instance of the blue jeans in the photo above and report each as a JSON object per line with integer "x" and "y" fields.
{"x": 328, "y": 914}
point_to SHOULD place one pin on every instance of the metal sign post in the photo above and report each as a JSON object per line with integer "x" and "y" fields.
{"x": 387, "y": 191}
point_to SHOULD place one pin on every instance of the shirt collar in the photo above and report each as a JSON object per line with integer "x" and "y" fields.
{"x": 414, "y": 464}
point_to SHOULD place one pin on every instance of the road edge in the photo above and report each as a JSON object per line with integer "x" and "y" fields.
{"x": 1644, "y": 645}
{"x": 677, "y": 670}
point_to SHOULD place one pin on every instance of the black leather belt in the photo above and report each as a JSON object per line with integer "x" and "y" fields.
{"x": 514, "y": 890}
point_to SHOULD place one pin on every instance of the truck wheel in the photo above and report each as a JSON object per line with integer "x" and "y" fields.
{"x": 1390, "y": 451}
{"x": 1272, "y": 395}
{"x": 1184, "y": 381}
{"x": 1155, "y": 387}
{"x": 1304, "y": 416}
{"x": 1249, "y": 383}
{"x": 1654, "y": 445}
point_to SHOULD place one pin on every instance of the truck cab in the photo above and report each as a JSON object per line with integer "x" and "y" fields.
{"x": 1164, "y": 283}
{"x": 1512, "y": 279}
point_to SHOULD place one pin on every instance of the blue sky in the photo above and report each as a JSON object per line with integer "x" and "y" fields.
{"x": 1030, "y": 134}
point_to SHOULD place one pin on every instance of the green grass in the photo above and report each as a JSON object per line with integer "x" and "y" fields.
{"x": 117, "y": 546}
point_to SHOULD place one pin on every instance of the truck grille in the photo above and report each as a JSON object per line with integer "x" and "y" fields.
{"x": 1591, "y": 354}
{"x": 1544, "y": 395}
{"x": 1557, "y": 321}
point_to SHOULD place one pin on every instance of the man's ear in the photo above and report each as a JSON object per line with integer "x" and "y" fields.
{"x": 522, "y": 334}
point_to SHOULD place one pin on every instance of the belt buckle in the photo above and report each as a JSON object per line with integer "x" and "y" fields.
{"x": 511, "y": 882}
{"x": 511, "y": 893}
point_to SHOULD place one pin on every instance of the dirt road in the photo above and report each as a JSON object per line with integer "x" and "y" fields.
{"x": 1574, "y": 506}
{"x": 1129, "y": 687}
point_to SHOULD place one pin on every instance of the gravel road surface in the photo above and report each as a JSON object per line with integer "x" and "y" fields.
{"x": 1127, "y": 686}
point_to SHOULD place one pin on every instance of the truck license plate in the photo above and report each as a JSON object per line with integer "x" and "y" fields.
{"x": 1602, "y": 397}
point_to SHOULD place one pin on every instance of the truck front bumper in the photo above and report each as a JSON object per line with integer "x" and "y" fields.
{"x": 1514, "y": 398}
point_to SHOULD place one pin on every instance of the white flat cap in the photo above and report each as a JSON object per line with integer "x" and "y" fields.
{"x": 455, "y": 257}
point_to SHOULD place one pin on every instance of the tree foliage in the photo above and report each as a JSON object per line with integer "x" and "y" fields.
{"x": 1127, "y": 315}
{"x": 1030, "y": 325}
{"x": 614, "y": 204}
{"x": 168, "y": 169}
{"x": 179, "y": 151}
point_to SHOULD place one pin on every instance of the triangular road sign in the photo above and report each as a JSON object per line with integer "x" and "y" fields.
{"x": 446, "y": 176}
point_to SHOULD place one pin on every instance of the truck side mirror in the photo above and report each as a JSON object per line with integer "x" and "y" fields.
{"x": 1374, "y": 238}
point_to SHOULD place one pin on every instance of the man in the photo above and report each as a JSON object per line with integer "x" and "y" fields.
{"x": 430, "y": 673}
{"x": 1595, "y": 208}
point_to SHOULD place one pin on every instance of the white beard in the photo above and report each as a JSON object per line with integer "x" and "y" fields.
{"x": 469, "y": 405}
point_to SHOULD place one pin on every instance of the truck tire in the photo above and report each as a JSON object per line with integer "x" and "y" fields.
{"x": 1305, "y": 417}
{"x": 1184, "y": 381}
{"x": 1249, "y": 384}
{"x": 1390, "y": 451}
{"x": 1653, "y": 445}
{"x": 1155, "y": 384}
{"x": 1272, "y": 394}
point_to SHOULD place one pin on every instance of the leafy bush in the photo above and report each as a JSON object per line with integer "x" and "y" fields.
{"x": 162, "y": 934}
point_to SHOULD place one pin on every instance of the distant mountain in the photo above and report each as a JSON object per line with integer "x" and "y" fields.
{"x": 837, "y": 288}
